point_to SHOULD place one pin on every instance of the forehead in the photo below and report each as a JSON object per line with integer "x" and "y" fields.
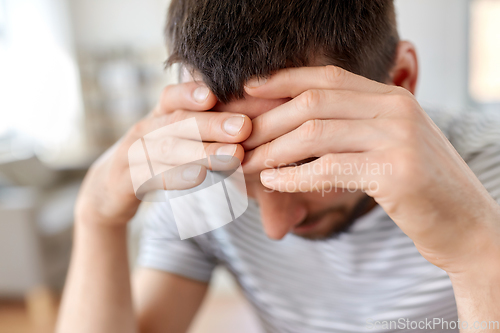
{"x": 249, "y": 105}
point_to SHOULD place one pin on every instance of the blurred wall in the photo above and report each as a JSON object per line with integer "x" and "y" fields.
{"x": 39, "y": 82}
{"x": 114, "y": 23}
{"x": 439, "y": 29}
{"x": 120, "y": 51}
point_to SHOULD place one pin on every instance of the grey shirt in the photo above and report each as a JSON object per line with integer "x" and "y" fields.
{"x": 346, "y": 284}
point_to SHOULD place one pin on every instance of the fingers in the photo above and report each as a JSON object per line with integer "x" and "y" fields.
{"x": 190, "y": 175}
{"x": 210, "y": 126}
{"x": 184, "y": 177}
{"x": 314, "y": 104}
{"x": 181, "y": 166}
{"x": 222, "y": 126}
{"x": 291, "y": 82}
{"x": 174, "y": 151}
{"x": 187, "y": 96}
{"x": 324, "y": 174}
{"x": 315, "y": 138}
{"x": 175, "y": 178}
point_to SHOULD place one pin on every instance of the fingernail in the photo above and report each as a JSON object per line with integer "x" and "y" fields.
{"x": 268, "y": 176}
{"x": 200, "y": 94}
{"x": 191, "y": 173}
{"x": 256, "y": 82}
{"x": 226, "y": 153}
{"x": 233, "y": 125}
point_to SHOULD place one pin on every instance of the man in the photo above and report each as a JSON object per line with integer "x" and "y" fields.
{"x": 400, "y": 248}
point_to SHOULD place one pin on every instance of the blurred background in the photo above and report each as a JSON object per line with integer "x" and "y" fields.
{"x": 76, "y": 74}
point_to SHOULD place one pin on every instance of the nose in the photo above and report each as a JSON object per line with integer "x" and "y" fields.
{"x": 279, "y": 212}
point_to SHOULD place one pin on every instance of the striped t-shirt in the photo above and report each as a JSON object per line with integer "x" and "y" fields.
{"x": 373, "y": 273}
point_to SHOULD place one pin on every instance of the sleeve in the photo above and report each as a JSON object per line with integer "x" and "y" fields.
{"x": 476, "y": 136}
{"x": 161, "y": 247}
{"x": 486, "y": 166}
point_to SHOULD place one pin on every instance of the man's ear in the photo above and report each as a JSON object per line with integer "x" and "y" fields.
{"x": 405, "y": 70}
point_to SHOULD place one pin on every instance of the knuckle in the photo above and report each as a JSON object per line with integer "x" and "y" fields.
{"x": 288, "y": 175}
{"x": 138, "y": 129}
{"x": 261, "y": 124}
{"x": 311, "y": 130}
{"x": 333, "y": 74}
{"x": 406, "y": 130}
{"x": 328, "y": 159}
{"x": 161, "y": 121}
{"x": 165, "y": 97}
{"x": 168, "y": 143}
{"x": 174, "y": 117}
{"x": 201, "y": 151}
{"x": 266, "y": 150}
{"x": 214, "y": 125}
{"x": 308, "y": 100}
{"x": 405, "y": 103}
{"x": 402, "y": 91}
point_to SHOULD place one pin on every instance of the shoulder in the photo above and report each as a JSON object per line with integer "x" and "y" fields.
{"x": 470, "y": 131}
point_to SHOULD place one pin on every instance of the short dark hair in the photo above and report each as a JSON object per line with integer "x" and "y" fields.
{"x": 230, "y": 41}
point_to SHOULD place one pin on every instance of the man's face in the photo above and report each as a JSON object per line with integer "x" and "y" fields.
{"x": 312, "y": 215}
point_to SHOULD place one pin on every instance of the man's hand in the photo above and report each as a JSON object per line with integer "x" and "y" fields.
{"x": 97, "y": 296}
{"x": 107, "y": 194}
{"x": 374, "y": 137}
